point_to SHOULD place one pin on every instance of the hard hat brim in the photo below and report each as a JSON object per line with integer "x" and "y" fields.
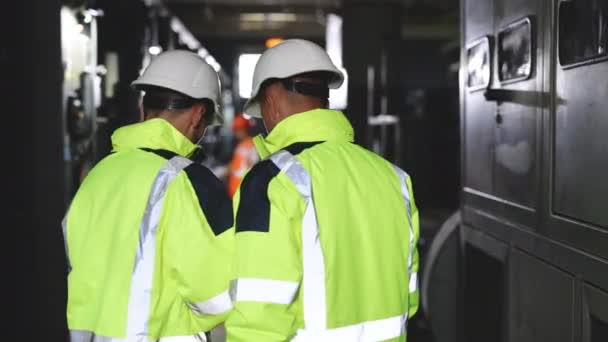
{"x": 252, "y": 108}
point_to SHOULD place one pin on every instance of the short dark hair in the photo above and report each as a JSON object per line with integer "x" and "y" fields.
{"x": 159, "y": 99}
{"x": 262, "y": 91}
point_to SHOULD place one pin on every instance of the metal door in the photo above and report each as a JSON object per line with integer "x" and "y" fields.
{"x": 580, "y": 146}
{"x": 518, "y": 92}
{"x": 502, "y": 122}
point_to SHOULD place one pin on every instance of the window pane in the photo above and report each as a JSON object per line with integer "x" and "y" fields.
{"x": 247, "y": 64}
{"x": 515, "y": 51}
{"x": 583, "y": 30}
{"x": 478, "y": 64}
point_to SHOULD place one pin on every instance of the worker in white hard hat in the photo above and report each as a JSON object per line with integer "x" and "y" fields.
{"x": 325, "y": 230}
{"x": 149, "y": 234}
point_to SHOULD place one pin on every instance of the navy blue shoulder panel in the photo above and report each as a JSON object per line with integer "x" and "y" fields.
{"x": 253, "y": 213}
{"x": 212, "y": 197}
{"x": 161, "y": 153}
{"x": 297, "y": 148}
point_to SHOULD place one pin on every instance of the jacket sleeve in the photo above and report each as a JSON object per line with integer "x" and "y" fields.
{"x": 198, "y": 241}
{"x": 414, "y": 292}
{"x": 267, "y": 261}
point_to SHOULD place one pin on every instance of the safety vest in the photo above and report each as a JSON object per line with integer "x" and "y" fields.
{"x": 326, "y": 236}
{"x": 244, "y": 157}
{"x": 149, "y": 242}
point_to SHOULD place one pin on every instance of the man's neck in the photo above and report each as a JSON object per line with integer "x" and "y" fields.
{"x": 294, "y": 110}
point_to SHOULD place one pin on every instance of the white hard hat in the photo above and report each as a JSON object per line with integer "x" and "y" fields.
{"x": 184, "y": 72}
{"x": 287, "y": 59}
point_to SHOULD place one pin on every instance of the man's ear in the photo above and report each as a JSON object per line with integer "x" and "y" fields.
{"x": 199, "y": 113}
{"x": 271, "y": 98}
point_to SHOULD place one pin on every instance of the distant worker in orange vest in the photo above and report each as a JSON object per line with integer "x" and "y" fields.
{"x": 244, "y": 155}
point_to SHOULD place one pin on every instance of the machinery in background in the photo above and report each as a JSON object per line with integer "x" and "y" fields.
{"x": 82, "y": 91}
{"x": 105, "y": 46}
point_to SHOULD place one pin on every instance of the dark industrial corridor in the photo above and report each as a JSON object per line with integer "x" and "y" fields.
{"x": 494, "y": 108}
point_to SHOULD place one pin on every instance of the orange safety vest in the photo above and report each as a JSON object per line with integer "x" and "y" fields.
{"x": 243, "y": 159}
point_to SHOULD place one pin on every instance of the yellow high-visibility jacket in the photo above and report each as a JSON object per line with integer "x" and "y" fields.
{"x": 149, "y": 241}
{"x": 326, "y": 236}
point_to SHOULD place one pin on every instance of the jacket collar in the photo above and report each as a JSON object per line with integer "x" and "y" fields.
{"x": 314, "y": 125}
{"x": 157, "y": 134}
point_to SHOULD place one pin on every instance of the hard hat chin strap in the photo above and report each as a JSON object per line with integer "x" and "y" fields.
{"x": 306, "y": 88}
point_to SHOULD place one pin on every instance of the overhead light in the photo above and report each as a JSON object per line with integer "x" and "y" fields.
{"x": 213, "y": 63}
{"x": 155, "y": 50}
{"x": 88, "y": 18}
{"x": 260, "y": 17}
{"x": 96, "y": 12}
{"x": 184, "y": 35}
{"x": 286, "y": 17}
{"x": 253, "y": 17}
{"x": 203, "y": 52}
{"x": 272, "y": 42}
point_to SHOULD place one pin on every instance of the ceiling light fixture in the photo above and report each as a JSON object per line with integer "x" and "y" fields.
{"x": 155, "y": 50}
{"x": 261, "y": 17}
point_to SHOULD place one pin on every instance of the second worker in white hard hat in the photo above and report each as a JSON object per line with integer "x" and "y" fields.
{"x": 148, "y": 235}
{"x": 326, "y": 231}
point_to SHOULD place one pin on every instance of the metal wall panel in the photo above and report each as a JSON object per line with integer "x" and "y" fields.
{"x": 485, "y": 287}
{"x": 594, "y": 314}
{"x": 581, "y": 146}
{"x": 534, "y": 160}
{"x": 477, "y": 116}
{"x": 541, "y": 300}
{"x": 519, "y": 107}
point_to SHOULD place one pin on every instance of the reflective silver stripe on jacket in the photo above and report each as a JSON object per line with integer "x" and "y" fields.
{"x": 265, "y": 290}
{"x": 142, "y": 279}
{"x": 64, "y": 227}
{"x": 213, "y": 306}
{"x": 313, "y": 275}
{"x": 313, "y": 264}
{"x": 87, "y": 336}
{"x": 403, "y": 176}
{"x": 370, "y": 331}
{"x": 143, "y": 271}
